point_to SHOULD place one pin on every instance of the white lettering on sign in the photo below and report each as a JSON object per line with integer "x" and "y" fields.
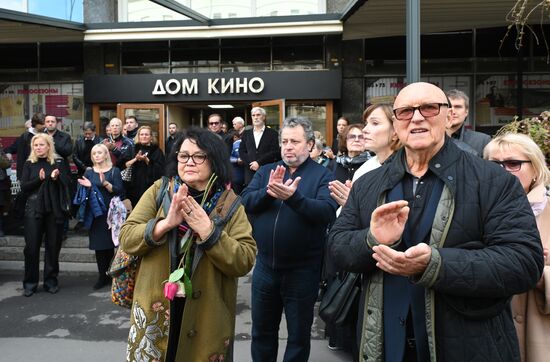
{"x": 212, "y": 83}
{"x": 259, "y": 87}
{"x": 215, "y": 86}
{"x": 170, "y": 88}
{"x": 192, "y": 88}
{"x": 159, "y": 88}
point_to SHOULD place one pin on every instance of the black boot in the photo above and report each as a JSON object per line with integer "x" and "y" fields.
{"x": 102, "y": 281}
{"x": 2, "y": 224}
{"x": 103, "y": 258}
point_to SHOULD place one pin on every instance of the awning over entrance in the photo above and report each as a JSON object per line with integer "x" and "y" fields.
{"x": 381, "y": 18}
{"x": 18, "y": 27}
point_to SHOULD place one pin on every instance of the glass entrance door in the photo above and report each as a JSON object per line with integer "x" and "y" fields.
{"x": 275, "y": 112}
{"x": 151, "y": 115}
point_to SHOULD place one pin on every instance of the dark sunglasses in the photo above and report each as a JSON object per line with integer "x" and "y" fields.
{"x": 426, "y": 110}
{"x": 511, "y": 165}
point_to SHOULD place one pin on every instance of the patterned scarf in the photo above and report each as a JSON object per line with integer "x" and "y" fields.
{"x": 184, "y": 231}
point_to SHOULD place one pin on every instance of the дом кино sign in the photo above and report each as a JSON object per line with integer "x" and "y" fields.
{"x": 237, "y": 85}
{"x": 154, "y": 88}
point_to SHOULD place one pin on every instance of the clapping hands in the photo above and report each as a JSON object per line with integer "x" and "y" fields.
{"x": 279, "y": 189}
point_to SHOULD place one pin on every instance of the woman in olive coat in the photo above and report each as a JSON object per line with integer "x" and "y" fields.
{"x": 200, "y": 325}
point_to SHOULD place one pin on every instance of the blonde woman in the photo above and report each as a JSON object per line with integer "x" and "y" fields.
{"x": 520, "y": 155}
{"x": 105, "y": 178}
{"x": 147, "y": 163}
{"x": 47, "y": 205}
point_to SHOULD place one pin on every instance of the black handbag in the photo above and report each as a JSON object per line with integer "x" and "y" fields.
{"x": 338, "y": 300}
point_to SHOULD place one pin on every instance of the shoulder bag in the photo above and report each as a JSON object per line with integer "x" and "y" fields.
{"x": 124, "y": 267}
{"x": 339, "y": 299}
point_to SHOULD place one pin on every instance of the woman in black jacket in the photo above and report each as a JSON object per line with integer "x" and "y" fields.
{"x": 43, "y": 181}
{"x": 147, "y": 164}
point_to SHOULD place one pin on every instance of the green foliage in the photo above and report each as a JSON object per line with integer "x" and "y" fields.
{"x": 538, "y": 128}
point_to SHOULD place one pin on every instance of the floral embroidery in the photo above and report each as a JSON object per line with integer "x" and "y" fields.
{"x": 220, "y": 357}
{"x": 147, "y": 333}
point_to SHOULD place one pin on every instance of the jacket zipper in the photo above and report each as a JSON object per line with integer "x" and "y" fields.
{"x": 274, "y": 229}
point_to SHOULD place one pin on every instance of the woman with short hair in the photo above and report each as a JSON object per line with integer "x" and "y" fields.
{"x": 520, "y": 155}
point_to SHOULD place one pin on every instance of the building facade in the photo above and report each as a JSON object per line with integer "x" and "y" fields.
{"x": 134, "y": 57}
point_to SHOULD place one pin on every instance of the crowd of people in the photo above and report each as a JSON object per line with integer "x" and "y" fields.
{"x": 448, "y": 229}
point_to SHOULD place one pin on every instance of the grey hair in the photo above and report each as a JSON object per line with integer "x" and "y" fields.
{"x": 88, "y": 125}
{"x": 238, "y": 120}
{"x": 259, "y": 109}
{"x": 318, "y": 144}
{"x": 458, "y": 94}
{"x": 292, "y": 122}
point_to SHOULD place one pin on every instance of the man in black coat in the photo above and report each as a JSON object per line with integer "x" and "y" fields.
{"x": 259, "y": 146}
{"x": 457, "y": 130}
{"x": 443, "y": 240}
{"x": 83, "y": 146}
{"x": 62, "y": 141}
{"x": 172, "y": 131}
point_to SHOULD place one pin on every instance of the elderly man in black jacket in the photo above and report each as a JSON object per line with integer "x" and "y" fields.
{"x": 259, "y": 146}
{"x": 443, "y": 239}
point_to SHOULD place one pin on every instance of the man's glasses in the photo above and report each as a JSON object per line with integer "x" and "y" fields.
{"x": 213, "y": 123}
{"x": 358, "y": 137}
{"x": 426, "y": 110}
{"x": 198, "y": 158}
{"x": 511, "y": 165}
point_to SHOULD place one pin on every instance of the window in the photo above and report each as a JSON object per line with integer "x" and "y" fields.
{"x": 251, "y": 54}
{"x": 194, "y": 56}
{"x": 304, "y": 52}
{"x": 148, "y": 57}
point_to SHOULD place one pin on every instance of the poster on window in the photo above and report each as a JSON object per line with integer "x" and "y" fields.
{"x": 384, "y": 90}
{"x": 19, "y": 102}
{"x": 496, "y": 97}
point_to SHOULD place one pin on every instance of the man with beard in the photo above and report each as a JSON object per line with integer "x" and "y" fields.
{"x": 172, "y": 130}
{"x": 290, "y": 205}
{"x": 62, "y": 141}
{"x": 259, "y": 146}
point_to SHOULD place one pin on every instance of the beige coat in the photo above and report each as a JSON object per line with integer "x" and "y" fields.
{"x": 531, "y": 310}
{"x": 208, "y": 323}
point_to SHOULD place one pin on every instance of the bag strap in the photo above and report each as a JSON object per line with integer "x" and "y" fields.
{"x": 162, "y": 191}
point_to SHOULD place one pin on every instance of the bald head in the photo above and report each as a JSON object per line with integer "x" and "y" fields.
{"x": 418, "y": 90}
{"x": 423, "y": 115}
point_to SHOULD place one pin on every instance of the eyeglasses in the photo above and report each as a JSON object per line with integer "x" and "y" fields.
{"x": 358, "y": 137}
{"x": 198, "y": 158}
{"x": 511, "y": 165}
{"x": 426, "y": 110}
{"x": 213, "y": 123}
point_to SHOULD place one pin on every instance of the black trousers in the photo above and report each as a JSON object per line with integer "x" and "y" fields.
{"x": 36, "y": 230}
{"x": 103, "y": 259}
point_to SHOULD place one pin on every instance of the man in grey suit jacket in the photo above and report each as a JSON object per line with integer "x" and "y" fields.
{"x": 259, "y": 146}
{"x": 476, "y": 140}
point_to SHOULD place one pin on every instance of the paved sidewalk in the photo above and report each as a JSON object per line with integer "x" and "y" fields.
{"x": 79, "y": 324}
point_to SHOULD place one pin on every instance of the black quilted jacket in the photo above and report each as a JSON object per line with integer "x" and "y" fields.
{"x": 485, "y": 248}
